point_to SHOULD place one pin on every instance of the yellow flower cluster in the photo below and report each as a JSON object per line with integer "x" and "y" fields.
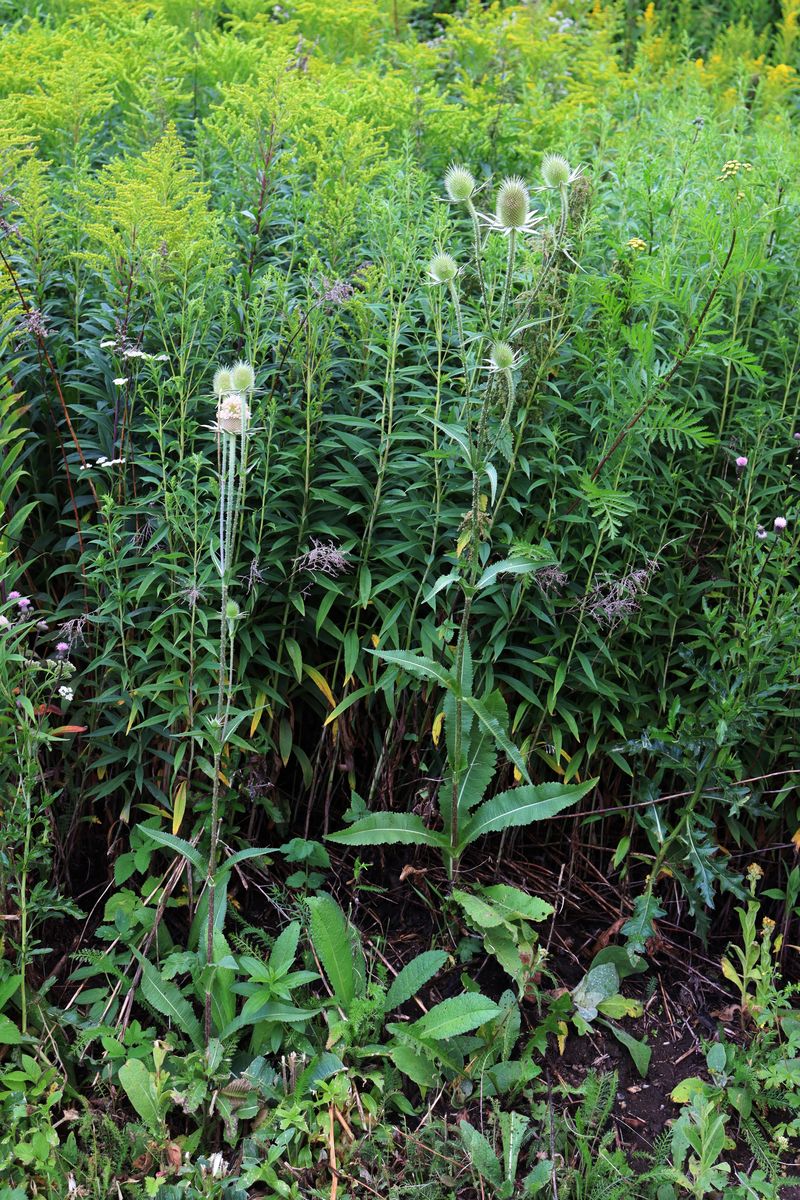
{"x": 732, "y": 168}
{"x": 636, "y": 243}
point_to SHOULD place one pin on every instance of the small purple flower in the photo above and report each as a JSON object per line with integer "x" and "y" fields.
{"x": 779, "y": 523}
{"x": 14, "y": 595}
{"x": 761, "y": 533}
{"x": 24, "y": 603}
{"x": 741, "y": 462}
{"x": 62, "y": 649}
{"x": 796, "y": 436}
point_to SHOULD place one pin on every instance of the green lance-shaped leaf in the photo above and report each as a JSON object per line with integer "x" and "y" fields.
{"x": 481, "y": 1154}
{"x": 413, "y": 976}
{"x": 418, "y": 665}
{"x": 459, "y": 1014}
{"x": 140, "y": 1088}
{"x": 166, "y": 998}
{"x": 382, "y": 828}
{"x": 494, "y": 725}
{"x": 522, "y": 806}
{"x": 339, "y": 957}
{"x": 175, "y": 843}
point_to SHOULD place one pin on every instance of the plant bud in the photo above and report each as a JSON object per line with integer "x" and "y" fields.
{"x": 555, "y": 170}
{"x": 458, "y": 183}
{"x": 502, "y": 357}
{"x": 443, "y": 268}
{"x": 223, "y": 381}
{"x": 513, "y": 203}
{"x": 242, "y": 377}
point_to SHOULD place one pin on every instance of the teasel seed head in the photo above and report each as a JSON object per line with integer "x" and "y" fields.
{"x": 223, "y": 381}
{"x": 555, "y": 170}
{"x": 242, "y": 377}
{"x": 459, "y": 183}
{"x": 513, "y": 203}
{"x": 233, "y": 413}
{"x": 502, "y": 357}
{"x": 443, "y": 268}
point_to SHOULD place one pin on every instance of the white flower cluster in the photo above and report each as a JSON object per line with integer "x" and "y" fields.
{"x": 132, "y": 352}
{"x": 102, "y": 461}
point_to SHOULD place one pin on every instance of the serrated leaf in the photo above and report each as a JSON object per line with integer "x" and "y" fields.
{"x": 414, "y": 976}
{"x": 641, "y": 926}
{"x": 522, "y": 806}
{"x": 380, "y": 829}
{"x": 166, "y": 998}
{"x": 481, "y": 1154}
{"x": 459, "y": 1014}
{"x": 178, "y": 844}
{"x": 489, "y": 719}
{"x": 418, "y": 665}
{"x": 331, "y": 940}
{"x": 513, "y": 903}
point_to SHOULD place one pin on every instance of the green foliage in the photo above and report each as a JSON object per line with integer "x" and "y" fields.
{"x": 472, "y": 553}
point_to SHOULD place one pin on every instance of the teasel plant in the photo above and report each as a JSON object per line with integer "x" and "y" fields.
{"x": 232, "y": 387}
{"x": 475, "y": 727}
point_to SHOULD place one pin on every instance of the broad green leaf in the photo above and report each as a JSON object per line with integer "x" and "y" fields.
{"x": 512, "y": 1130}
{"x": 175, "y": 843}
{"x": 597, "y": 985}
{"x": 417, "y": 664}
{"x": 380, "y": 829}
{"x": 418, "y": 1067}
{"x": 480, "y": 914}
{"x": 522, "y": 806}
{"x": 508, "y": 566}
{"x": 413, "y": 976}
{"x": 639, "y": 1051}
{"x": 9, "y": 1034}
{"x": 140, "y": 1088}
{"x": 270, "y": 1010}
{"x": 513, "y": 903}
{"x": 166, "y": 998}
{"x": 481, "y": 1154}
{"x": 331, "y": 940}
{"x": 319, "y": 1069}
{"x": 497, "y": 728}
{"x": 285, "y": 948}
{"x": 459, "y": 1014}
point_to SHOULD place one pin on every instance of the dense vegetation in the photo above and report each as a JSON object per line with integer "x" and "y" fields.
{"x": 399, "y": 648}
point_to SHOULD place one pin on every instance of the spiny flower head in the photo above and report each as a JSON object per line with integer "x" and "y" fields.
{"x": 233, "y": 413}
{"x": 242, "y": 377}
{"x": 741, "y": 462}
{"x": 513, "y": 203}
{"x": 779, "y": 524}
{"x": 555, "y": 170}
{"x": 502, "y": 357}
{"x": 459, "y": 183}
{"x": 223, "y": 381}
{"x": 443, "y": 268}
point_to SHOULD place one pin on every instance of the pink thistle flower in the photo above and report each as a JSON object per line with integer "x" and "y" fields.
{"x": 779, "y": 523}
{"x": 761, "y": 533}
{"x": 741, "y": 462}
{"x": 14, "y": 595}
{"x": 62, "y": 648}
